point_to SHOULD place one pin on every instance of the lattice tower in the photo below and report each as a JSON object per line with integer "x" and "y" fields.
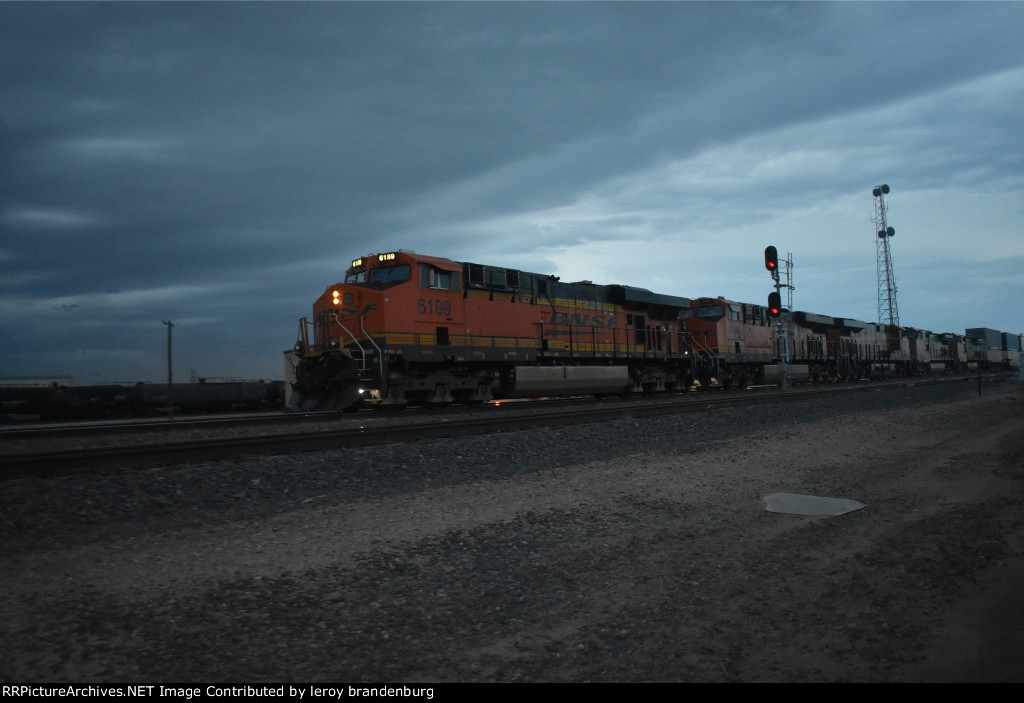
{"x": 888, "y": 310}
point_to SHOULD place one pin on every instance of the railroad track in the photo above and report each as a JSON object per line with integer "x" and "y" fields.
{"x": 155, "y": 425}
{"x": 357, "y": 433}
{"x": 102, "y": 428}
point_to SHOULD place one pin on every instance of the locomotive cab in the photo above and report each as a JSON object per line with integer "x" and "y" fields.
{"x": 737, "y": 339}
{"x": 340, "y": 351}
{"x": 386, "y": 302}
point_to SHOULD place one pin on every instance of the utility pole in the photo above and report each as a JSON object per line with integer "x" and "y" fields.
{"x": 170, "y": 373}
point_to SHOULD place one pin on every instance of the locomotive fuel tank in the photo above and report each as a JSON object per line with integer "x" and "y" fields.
{"x": 795, "y": 373}
{"x": 571, "y": 380}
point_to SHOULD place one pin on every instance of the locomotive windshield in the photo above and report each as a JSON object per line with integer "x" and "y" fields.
{"x": 709, "y": 312}
{"x": 389, "y": 274}
{"x": 380, "y": 278}
{"x": 705, "y": 312}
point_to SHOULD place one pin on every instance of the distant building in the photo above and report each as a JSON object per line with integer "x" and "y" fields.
{"x": 36, "y": 381}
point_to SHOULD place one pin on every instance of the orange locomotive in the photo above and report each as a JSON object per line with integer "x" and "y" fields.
{"x": 409, "y": 329}
{"x": 405, "y": 328}
{"x": 733, "y": 341}
{"x": 740, "y": 344}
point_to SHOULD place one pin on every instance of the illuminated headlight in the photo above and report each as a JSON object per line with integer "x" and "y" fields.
{"x": 335, "y": 295}
{"x": 334, "y": 343}
{"x": 361, "y": 391}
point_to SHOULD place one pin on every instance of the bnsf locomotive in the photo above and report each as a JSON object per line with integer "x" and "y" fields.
{"x": 403, "y": 328}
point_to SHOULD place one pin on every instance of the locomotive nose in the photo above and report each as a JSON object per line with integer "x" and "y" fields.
{"x": 340, "y": 298}
{"x": 336, "y": 300}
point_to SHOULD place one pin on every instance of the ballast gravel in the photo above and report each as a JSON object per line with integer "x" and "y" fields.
{"x": 633, "y": 550}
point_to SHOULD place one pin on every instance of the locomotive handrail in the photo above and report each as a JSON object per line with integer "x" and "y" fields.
{"x": 706, "y": 351}
{"x": 380, "y": 354}
{"x": 362, "y": 351}
{"x": 645, "y": 343}
{"x": 304, "y": 333}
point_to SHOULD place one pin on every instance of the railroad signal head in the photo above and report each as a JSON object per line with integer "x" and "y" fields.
{"x": 771, "y": 258}
{"x": 774, "y": 303}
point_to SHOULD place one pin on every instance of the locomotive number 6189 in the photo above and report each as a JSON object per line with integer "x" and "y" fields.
{"x": 428, "y": 306}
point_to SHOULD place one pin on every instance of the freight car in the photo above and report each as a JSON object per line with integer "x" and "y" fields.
{"x": 403, "y": 328}
{"x": 994, "y": 349}
{"x": 116, "y": 401}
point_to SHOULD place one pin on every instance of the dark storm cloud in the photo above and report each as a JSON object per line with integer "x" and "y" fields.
{"x": 217, "y": 160}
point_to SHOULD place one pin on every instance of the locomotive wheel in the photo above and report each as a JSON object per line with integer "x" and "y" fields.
{"x": 395, "y": 399}
{"x": 440, "y": 398}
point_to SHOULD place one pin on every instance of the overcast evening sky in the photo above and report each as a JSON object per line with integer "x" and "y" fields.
{"x": 219, "y": 165}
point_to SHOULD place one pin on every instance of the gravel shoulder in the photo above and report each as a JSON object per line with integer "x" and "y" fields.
{"x": 635, "y": 550}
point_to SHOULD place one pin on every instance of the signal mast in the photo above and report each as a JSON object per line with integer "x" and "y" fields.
{"x": 771, "y": 262}
{"x": 888, "y": 311}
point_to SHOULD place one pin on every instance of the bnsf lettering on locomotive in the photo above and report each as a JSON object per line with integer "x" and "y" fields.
{"x": 578, "y": 320}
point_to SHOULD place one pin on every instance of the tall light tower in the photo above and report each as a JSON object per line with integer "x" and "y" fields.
{"x": 888, "y": 310}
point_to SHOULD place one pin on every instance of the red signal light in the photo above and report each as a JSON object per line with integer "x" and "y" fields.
{"x": 771, "y": 258}
{"x": 774, "y": 304}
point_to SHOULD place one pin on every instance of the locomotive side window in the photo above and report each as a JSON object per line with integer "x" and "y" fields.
{"x": 357, "y": 277}
{"x": 436, "y": 279}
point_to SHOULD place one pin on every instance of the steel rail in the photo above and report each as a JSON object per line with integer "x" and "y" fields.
{"x": 64, "y": 462}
